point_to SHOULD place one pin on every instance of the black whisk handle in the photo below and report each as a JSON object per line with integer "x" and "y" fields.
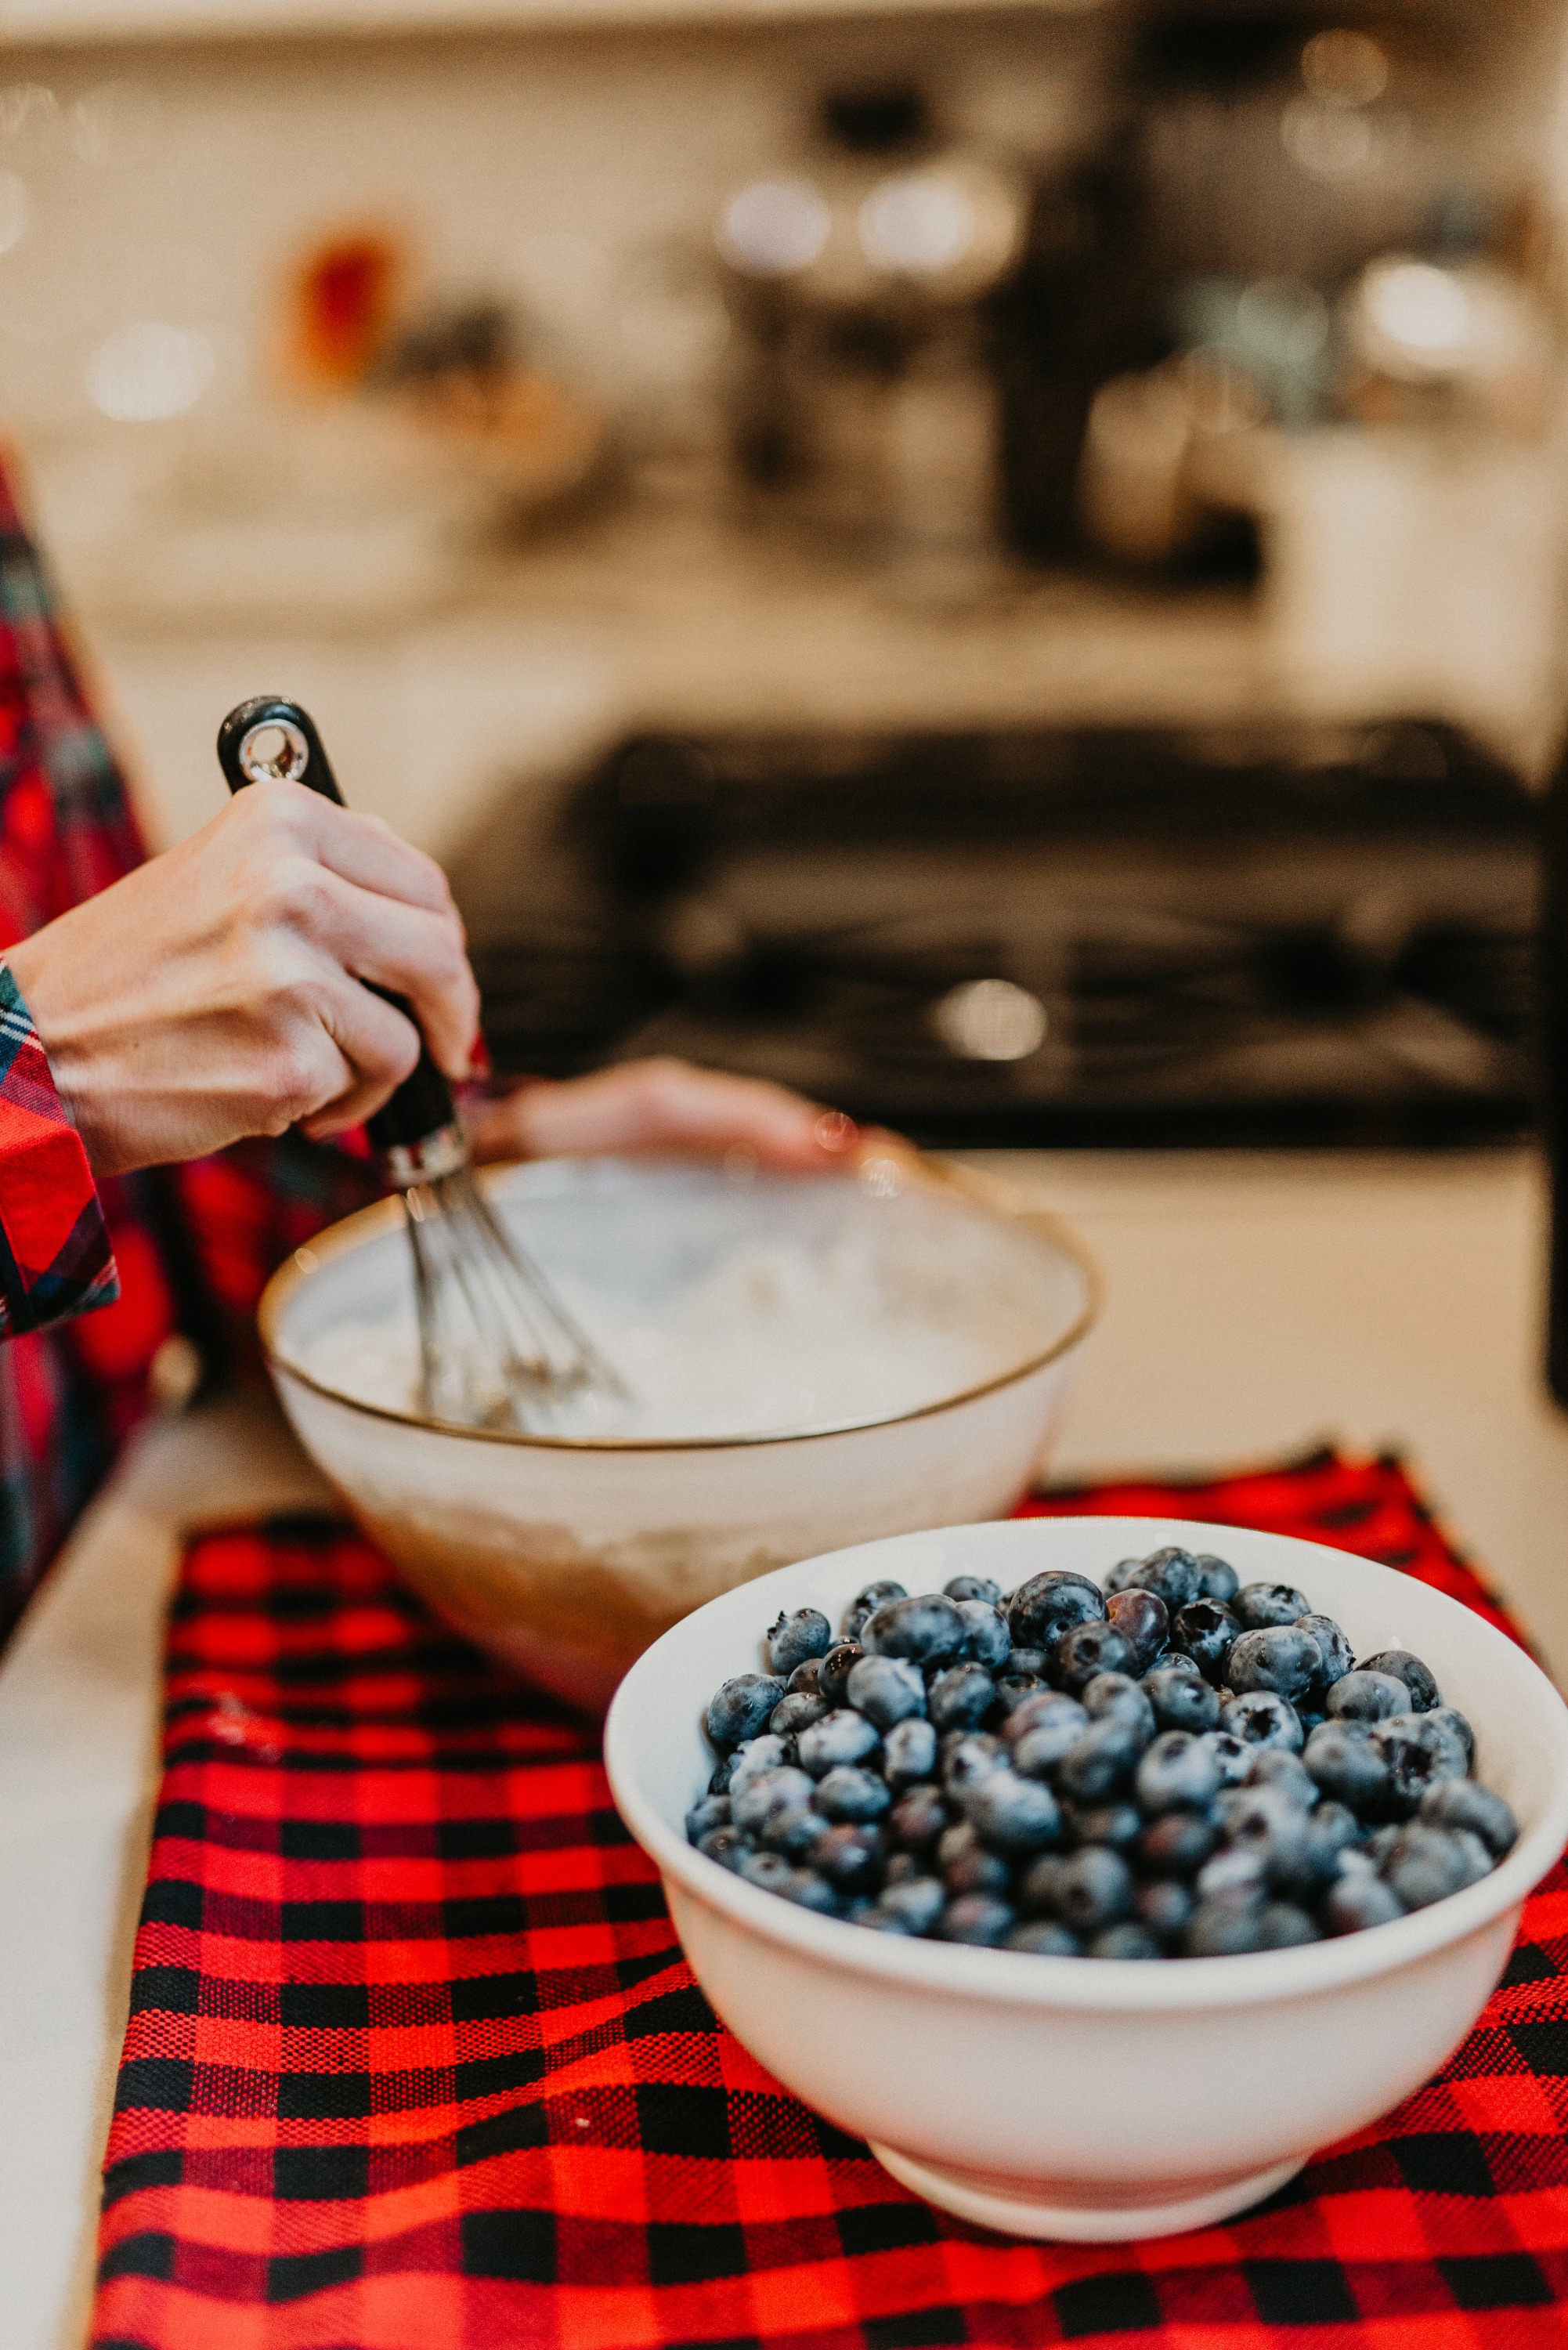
{"x": 272, "y": 739}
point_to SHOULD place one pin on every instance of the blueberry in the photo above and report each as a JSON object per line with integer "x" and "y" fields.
{"x": 849, "y": 1793}
{"x": 1130, "y": 1940}
{"x": 917, "y": 1904}
{"x": 1224, "y": 1928}
{"x": 1261, "y": 1718}
{"x": 1417, "y": 1679}
{"x": 973, "y": 1587}
{"x": 1178, "y": 1843}
{"x": 1204, "y": 1632}
{"x": 850, "y": 1857}
{"x": 909, "y": 1752}
{"x": 979, "y": 1917}
{"x": 832, "y": 1671}
{"x": 1142, "y": 1620}
{"x": 769, "y": 1752}
{"x": 1456, "y": 1721}
{"x": 970, "y": 1867}
{"x": 1172, "y": 1574}
{"x": 1347, "y": 1764}
{"x": 1118, "y": 1825}
{"x": 770, "y": 1870}
{"x": 986, "y": 1637}
{"x": 1177, "y": 1772}
{"x": 1088, "y": 1649}
{"x": 901, "y": 1867}
{"x": 1234, "y": 1755}
{"x": 1040, "y": 1610}
{"x": 1281, "y": 1657}
{"x": 1418, "y": 1751}
{"x": 727, "y": 1845}
{"x": 1333, "y": 1830}
{"x": 972, "y": 1756}
{"x": 806, "y": 1679}
{"x": 1461, "y": 1804}
{"x": 1366, "y": 1697}
{"x": 918, "y": 1818}
{"x": 1180, "y": 1700}
{"x": 1043, "y": 1938}
{"x": 1266, "y": 1822}
{"x": 1220, "y": 1580}
{"x": 1260, "y": 1606}
{"x": 1237, "y": 1872}
{"x": 1425, "y": 1863}
{"x": 1283, "y": 1925}
{"x": 1117, "y": 1696}
{"x": 865, "y": 1603}
{"x": 885, "y": 1689}
{"x": 1015, "y": 1815}
{"x": 1040, "y": 1750}
{"x": 1011, "y": 1689}
{"x": 718, "y": 1784}
{"x": 1333, "y": 1647}
{"x": 962, "y": 1697}
{"x": 927, "y": 1631}
{"x": 1090, "y": 1890}
{"x": 1165, "y": 1905}
{"x": 1121, "y": 1575}
{"x": 1098, "y": 1763}
{"x": 808, "y": 1891}
{"x": 797, "y": 1712}
{"x": 741, "y": 1708}
{"x": 1276, "y": 1766}
{"x": 713, "y": 1812}
{"x": 794, "y": 1640}
{"x": 769, "y": 1795}
{"x": 843, "y": 1736}
{"x": 1020, "y": 1662}
{"x": 1356, "y": 1902}
{"x": 1043, "y": 1708}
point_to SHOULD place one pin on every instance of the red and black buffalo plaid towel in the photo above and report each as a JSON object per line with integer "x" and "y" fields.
{"x": 414, "y": 2062}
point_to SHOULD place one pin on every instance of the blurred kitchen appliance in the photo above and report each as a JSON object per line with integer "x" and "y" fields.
{"x": 1283, "y": 934}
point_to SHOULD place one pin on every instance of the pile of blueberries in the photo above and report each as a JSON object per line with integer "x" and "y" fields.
{"x": 1177, "y": 1766}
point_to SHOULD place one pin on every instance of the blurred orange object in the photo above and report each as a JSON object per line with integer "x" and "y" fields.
{"x": 343, "y": 301}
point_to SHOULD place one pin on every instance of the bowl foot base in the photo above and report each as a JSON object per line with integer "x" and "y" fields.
{"x": 992, "y": 2203}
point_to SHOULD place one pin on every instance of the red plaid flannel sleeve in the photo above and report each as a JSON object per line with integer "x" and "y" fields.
{"x": 55, "y": 1255}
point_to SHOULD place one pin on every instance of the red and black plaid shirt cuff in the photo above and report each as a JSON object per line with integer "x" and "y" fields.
{"x": 55, "y": 1254}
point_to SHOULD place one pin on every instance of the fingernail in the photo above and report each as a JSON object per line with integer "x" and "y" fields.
{"x": 835, "y": 1133}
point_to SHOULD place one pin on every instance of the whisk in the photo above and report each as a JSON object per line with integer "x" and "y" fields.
{"x": 497, "y": 1348}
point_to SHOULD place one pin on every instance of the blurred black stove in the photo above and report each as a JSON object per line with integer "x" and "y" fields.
{"x": 1281, "y": 934}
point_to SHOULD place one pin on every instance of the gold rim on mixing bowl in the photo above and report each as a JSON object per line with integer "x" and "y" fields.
{"x": 939, "y": 1176}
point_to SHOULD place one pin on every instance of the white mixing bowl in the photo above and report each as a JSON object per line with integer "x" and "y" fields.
{"x": 568, "y": 1556}
{"x": 1091, "y": 2098}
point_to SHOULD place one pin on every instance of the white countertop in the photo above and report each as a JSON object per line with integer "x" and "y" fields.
{"x": 1255, "y": 1305}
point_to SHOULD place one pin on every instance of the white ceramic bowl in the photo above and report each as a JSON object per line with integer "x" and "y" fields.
{"x": 1091, "y": 2097}
{"x": 566, "y": 1556}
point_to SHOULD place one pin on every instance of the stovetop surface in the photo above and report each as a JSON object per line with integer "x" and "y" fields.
{"x": 1276, "y": 935}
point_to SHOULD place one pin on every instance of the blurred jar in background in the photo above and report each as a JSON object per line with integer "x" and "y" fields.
{"x": 863, "y": 396}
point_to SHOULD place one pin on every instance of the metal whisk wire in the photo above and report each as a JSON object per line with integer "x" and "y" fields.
{"x": 497, "y": 1348}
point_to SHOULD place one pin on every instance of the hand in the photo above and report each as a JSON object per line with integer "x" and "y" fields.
{"x": 214, "y": 992}
{"x": 668, "y": 1106}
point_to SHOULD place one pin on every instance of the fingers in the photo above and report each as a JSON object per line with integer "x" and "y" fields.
{"x": 411, "y": 950}
{"x": 665, "y": 1105}
{"x": 359, "y": 848}
{"x": 378, "y": 1049}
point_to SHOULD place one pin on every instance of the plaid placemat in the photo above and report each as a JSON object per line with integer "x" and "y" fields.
{"x": 414, "y": 2062}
